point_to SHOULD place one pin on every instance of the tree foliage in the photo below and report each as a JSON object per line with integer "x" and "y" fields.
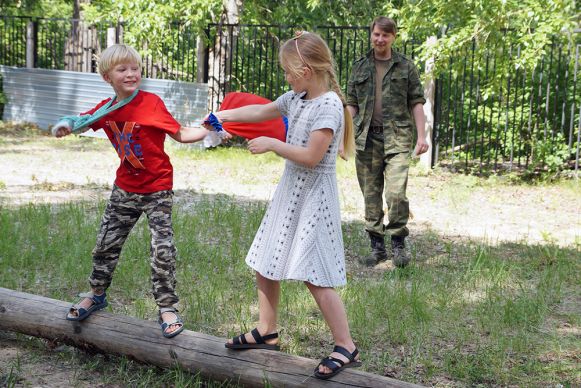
{"x": 310, "y": 13}
{"x": 149, "y": 20}
{"x": 37, "y": 8}
{"x": 528, "y": 24}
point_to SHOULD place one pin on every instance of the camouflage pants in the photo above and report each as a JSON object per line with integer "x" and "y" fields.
{"x": 122, "y": 212}
{"x": 376, "y": 171}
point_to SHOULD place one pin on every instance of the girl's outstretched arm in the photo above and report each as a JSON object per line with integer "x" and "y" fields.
{"x": 308, "y": 156}
{"x": 249, "y": 113}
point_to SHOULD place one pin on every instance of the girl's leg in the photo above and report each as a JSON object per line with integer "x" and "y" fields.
{"x": 268, "y": 297}
{"x": 334, "y": 313}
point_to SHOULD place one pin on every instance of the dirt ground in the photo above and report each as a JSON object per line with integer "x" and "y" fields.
{"x": 450, "y": 205}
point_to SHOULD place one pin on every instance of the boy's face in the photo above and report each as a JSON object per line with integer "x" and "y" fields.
{"x": 125, "y": 78}
{"x": 381, "y": 41}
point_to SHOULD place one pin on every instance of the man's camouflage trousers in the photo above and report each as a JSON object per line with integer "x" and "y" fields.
{"x": 122, "y": 212}
{"x": 376, "y": 171}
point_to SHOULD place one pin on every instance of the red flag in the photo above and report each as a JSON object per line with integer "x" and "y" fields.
{"x": 272, "y": 128}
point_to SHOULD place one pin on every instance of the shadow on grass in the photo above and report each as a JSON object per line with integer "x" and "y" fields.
{"x": 464, "y": 312}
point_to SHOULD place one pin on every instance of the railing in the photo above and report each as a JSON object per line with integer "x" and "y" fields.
{"x": 176, "y": 59}
{"x": 491, "y": 118}
{"x": 245, "y": 57}
{"x": 13, "y": 40}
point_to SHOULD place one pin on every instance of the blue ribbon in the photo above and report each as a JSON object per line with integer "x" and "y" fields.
{"x": 214, "y": 122}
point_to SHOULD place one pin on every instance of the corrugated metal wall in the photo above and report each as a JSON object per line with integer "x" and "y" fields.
{"x": 42, "y": 96}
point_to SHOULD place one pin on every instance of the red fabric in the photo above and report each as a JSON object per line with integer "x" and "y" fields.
{"x": 271, "y": 128}
{"x": 137, "y": 132}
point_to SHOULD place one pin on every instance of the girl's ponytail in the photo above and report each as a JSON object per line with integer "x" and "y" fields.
{"x": 348, "y": 136}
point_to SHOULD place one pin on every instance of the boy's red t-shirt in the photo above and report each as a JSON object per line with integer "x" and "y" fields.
{"x": 137, "y": 132}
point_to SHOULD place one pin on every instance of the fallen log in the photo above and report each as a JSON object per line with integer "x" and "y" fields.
{"x": 192, "y": 351}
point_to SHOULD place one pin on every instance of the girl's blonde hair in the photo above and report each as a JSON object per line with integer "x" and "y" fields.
{"x": 116, "y": 54}
{"x": 308, "y": 49}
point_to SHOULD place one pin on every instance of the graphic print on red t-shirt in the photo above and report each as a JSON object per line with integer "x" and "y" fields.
{"x": 126, "y": 147}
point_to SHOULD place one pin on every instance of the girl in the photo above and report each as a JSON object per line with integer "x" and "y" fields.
{"x": 300, "y": 235}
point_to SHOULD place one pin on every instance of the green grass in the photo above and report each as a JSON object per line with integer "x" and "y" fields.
{"x": 463, "y": 312}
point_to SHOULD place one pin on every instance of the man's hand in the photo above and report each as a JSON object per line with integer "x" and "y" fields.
{"x": 421, "y": 147}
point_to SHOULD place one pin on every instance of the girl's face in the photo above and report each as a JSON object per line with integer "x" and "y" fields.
{"x": 298, "y": 83}
{"x": 125, "y": 78}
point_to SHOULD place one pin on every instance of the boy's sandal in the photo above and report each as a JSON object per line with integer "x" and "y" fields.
{"x": 165, "y": 325}
{"x": 240, "y": 343}
{"x": 336, "y": 365}
{"x": 99, "y": 302}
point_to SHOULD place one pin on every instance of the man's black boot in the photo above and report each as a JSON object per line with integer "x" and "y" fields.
{"x": 400, "y": 258}
{"x": 378, "y": 251}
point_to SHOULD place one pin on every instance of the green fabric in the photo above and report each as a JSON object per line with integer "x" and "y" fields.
{"x": 77, "y": 123}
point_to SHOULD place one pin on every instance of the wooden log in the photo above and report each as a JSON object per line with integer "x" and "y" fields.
{"x": 195, "y": 352}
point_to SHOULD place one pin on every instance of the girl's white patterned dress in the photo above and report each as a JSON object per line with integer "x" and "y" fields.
{"x": 300, "y": 235}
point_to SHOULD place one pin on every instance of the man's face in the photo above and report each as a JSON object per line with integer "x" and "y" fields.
{"x": 381, "y": 41}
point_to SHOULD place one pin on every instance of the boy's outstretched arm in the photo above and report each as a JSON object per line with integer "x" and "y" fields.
{"x": 190, "y": 134}
{"x": 66, "y": 125}
{"x": 62, "y": 128}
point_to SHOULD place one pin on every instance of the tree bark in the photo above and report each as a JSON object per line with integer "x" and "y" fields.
{"x": 429, "y": 106}
{"x": 80, "y": 43}
{"x": 195, "y": 352}
{"x": 221, "y": 54}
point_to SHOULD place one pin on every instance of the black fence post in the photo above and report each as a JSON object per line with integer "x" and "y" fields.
{"x": 206, "y": 56}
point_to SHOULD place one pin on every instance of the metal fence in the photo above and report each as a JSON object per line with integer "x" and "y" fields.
{"x": 176, "y": 59}
{"x": 487, "y": 117}
{"x": 490, "y": 117}
{"x": 71, "y": 44}
{"x": 13, "y": 40}
{"x": 43, "y": 96}
{"x": 247, "y": 56}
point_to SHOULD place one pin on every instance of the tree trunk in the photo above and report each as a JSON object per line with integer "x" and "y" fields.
{"x": 142, "y": 340}
{"x": 220, "y": 57}
{"x": 232, "y": 11}
{"x": 429, "y": 106}
{"x": 80, "y": 43}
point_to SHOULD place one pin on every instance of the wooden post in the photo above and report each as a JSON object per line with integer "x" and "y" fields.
{"x": 86, "y": 49}
{"x": 195, "y": 352}
{"x": 429, "y": 93}
{"x": 31, "y": 44}
{"x": 201, "y": 59}
{"x": 111, "y": 36}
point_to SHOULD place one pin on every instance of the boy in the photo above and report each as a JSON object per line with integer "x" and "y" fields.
{"x": 136, "y": 123}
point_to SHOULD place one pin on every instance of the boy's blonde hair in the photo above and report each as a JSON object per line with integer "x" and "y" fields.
{"x": 308, "y": 49}
{"x": 116, "y": 54}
